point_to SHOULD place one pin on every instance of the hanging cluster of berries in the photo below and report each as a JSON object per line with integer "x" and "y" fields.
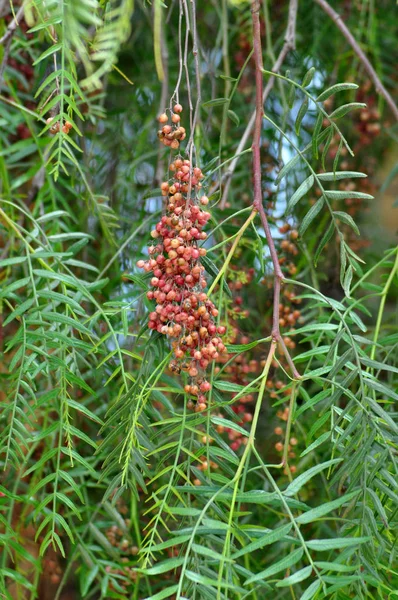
{"x": 66, "y": 127}
{"x": 288, "y": 249}
{"x": 184, "y": 313}
{"x": 172, "y": 135}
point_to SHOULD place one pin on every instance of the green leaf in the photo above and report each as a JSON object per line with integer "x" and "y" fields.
{"x": 378, "y": 506}
{"x": 204, "y": 551}
{"x": 315, "y": 134}
{"x": 84, "y": 410}
{"x": 330, "y": 566}
{"x": 346, "y": 283}
{"x": 270, "y": 538}
{"x": 212, "y": 270}
{"x": 215, "y": 102}
{"x": 388, "y": 420}
{"x": 322, "y": 438}
{"x": 308, "y": 77}
{"x": 324, "y": 509}
{"x": 383, "y": 389}
{"x": 183, "y": 511}
{"x": 15, "y": 260}
{"x": 336, "y": 543}
{"x": 234, "y": 117}
{"x": 287, "y": 168}
{"x": 51, "y": 50}
{"x": 228, "y": 386}
{"x": 174, "y": 541}
{"x": 311, "y": 591}
{"x": 229, "y": 425}
{"x": 18, "y": 578}
{"x": 338, "y": 87}
{"x": 164, "y": 567}
{"x": 295, "y": 578}
{"x": 166, "y": 593}
{"x": 325, "y": 239}
{"x": 341, "y": 111}
{"x": 338, "y": 175}
{"x": 300, "y": 115}
{"x": 347, "y": 219}
{"x": 291, "y": 96}
{"x": 296, "y": 485}
{"x": 314, "y": 327}
{"x": 300, "y": 192}
{"x": 343, "y": 195}
{"x": 374, "y": 364}
{"x": 281, "y": 565}
{"x": 311, "y": 214}
{"x": 238, "y": 348}
{"x": 86, "y": 578}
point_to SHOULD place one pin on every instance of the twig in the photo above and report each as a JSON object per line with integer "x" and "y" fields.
{"x": 6, "y": 54}
{"x": 12, "y": 26}
{"x": 6, "y": 39}
{"x": 164, "y": 53}
{"x": 290, "y": 44}
{"x": 380, "y": 89}
{"x": 257, "y": 188}
{"x": 195, "y": 53}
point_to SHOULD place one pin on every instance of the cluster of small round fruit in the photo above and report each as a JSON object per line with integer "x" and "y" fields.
{"x": 184, "y": 312}
{"x": 66, "y": 127}
{"x": 172, "y": 135}
{"x": 117, "y": 538}
{"x": 51, "y": 569}
{"x": 288, "y": 248}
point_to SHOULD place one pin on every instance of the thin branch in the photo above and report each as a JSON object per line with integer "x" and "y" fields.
{"x": 164, "y": 53}
{"x": 290, "y": 44}
{"x": 257, "y": 187}
{"x": 12, "y": 26}
{"x": 380, "y": 89}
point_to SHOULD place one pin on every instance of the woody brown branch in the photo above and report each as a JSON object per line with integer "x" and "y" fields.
{"x": 289, "y": 44}
{"x": 257, "y": 187}
{"x": 380, "y": 89}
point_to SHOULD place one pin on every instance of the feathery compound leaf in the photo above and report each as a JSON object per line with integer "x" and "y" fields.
{"x": 338, "y": 87}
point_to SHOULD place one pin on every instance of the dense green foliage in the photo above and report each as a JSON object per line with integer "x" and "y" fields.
{"x": 112, "y": 486}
